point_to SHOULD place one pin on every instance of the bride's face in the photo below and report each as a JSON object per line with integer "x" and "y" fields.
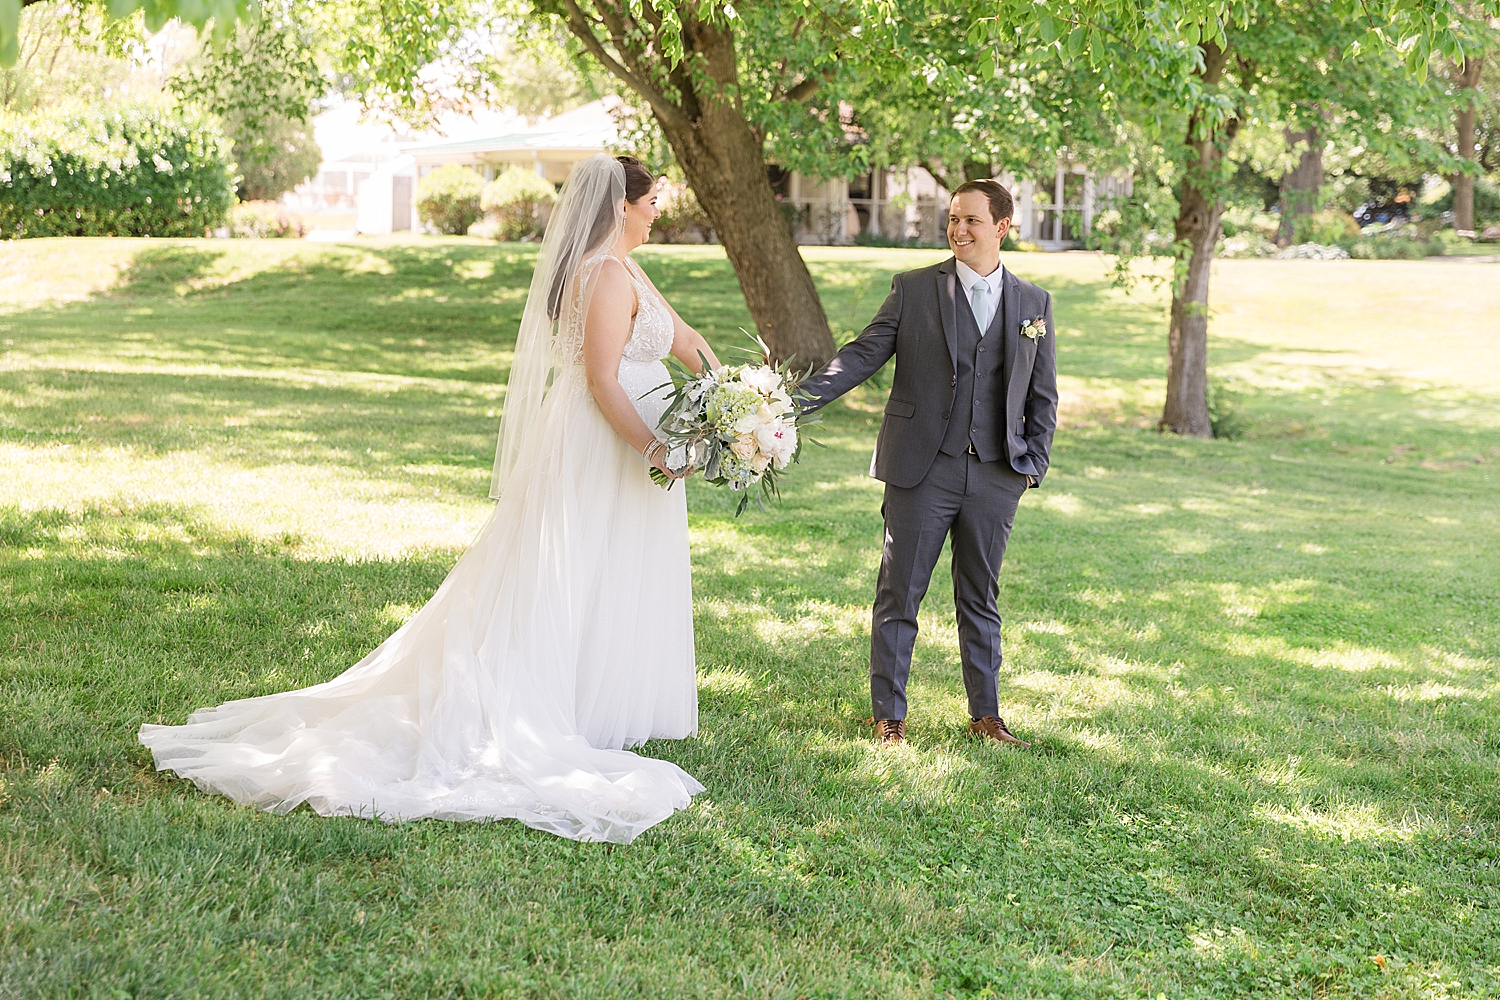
{"x": 639, "y": 215}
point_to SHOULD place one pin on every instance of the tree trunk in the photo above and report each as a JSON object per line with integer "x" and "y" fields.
{"x": 724, "y": 161}
{"x": 1301, "y": 184}
{"x": 1463, "y": 184}
{"x": 1199, "y": 213}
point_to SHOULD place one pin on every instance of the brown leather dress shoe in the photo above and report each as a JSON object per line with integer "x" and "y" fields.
{"x": 890, "y": 732}
{"x": 992, "y": 727}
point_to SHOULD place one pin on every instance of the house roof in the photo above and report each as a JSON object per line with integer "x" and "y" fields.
{"x": 589, "y": 128}
{"x": 570, "y": 139}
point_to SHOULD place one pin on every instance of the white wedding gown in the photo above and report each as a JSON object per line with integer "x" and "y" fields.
{"x": 562, "y": 636}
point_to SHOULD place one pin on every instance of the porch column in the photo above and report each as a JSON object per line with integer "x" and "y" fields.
{"x": 1057, "y": 204}
{"x": 1088, "y": 203}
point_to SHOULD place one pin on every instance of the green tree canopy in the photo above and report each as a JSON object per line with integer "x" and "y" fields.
{"x": 1197, "y": 70}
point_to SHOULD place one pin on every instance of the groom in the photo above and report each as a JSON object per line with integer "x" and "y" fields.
{"x": 967, "y": 429}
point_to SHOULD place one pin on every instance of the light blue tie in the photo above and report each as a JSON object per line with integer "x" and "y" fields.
{"x": 979, "y": 299}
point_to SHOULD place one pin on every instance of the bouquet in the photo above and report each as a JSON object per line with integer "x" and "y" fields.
{"x": 737, "y": 423}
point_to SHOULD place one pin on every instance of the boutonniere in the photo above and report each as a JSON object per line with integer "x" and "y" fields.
{"x": 1035, "y": 329}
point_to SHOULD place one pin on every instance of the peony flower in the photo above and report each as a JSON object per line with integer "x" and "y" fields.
{"x": 760, "y": 463}
{"x": 763, "y": 380}
{"x": 756, "y": 419}
{"x": 744, "y": 445}
{"x": 778, "y": 441}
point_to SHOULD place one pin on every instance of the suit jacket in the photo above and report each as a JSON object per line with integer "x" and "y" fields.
{"x": 918, "y": 325}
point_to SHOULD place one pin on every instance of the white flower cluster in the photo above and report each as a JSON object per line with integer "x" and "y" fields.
{"x": 752, "y": 412}
{"x": 737, "y": 423}
{"x": 1313, "y": 251}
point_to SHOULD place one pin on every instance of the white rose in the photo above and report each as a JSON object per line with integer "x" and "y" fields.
{"x": 763, "y": 380}
{"x": 760, "y": 463}
{"x": 743, "y": 446}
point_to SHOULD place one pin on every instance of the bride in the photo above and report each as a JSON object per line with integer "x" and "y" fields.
{"x": 564, "y": 634}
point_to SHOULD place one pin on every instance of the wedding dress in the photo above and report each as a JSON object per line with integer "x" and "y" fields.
{"x": 562, "y": 637}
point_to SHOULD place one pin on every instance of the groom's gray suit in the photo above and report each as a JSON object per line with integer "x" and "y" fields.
{"x": 969, "y": 418}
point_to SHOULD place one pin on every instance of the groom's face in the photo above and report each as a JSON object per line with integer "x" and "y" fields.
{"x": 973, "y": 235}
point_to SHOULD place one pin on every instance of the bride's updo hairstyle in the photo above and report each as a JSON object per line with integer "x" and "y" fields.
{"x": 638, "y": 180}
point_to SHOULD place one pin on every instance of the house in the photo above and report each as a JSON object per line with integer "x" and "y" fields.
{"x": 367, "y": 181}
{"x": 385, "y": 198}
{"x": 910, "y": 206}
{"x": 551, "y": 147}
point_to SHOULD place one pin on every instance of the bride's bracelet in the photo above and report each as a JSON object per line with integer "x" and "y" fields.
{"x": 653, "y": 449}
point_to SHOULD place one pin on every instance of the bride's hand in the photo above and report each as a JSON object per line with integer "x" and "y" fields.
{"x": 656, "y": 454}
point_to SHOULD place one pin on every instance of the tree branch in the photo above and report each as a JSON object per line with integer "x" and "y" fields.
{"x": 583, "y": 30}
{"x": 809, "y": 86}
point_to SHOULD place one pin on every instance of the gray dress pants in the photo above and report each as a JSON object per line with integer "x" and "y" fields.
{"x": 975, "y": 502}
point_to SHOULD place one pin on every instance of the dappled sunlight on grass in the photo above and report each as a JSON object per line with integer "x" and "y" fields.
{"x": 1348, "y": 821}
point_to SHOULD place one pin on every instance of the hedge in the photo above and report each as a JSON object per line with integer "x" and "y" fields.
{"x": 131, "y": 171}
{"x": 448, "y": 199}
{"x": 515, "y": 200}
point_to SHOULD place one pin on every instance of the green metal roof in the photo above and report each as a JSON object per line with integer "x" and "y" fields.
{"x": 577, "y": 139}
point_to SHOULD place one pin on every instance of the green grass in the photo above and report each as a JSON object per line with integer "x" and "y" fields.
{"x": 1260, "y": 674}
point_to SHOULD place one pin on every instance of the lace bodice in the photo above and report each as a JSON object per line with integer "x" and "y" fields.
{"x": 651, "y": 335}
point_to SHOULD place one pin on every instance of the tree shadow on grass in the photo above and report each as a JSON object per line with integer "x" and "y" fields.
{"x": 371, "y": 425}
{"x": 160, "y": 270}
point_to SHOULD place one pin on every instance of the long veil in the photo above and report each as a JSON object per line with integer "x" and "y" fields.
{"x": 583, "y": 225}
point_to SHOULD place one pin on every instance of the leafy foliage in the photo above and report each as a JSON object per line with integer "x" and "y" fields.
{"x": 515, "y": 200}
{"x": 1486, "y": 202}
{"x": 261, "y": 81}
{"x": 135, "y": 171}
{"x": 69, "y": 52}
{"x": 448, "y": 199}
{"x": 273, "y": 159}
{"x": 221, "y": 14}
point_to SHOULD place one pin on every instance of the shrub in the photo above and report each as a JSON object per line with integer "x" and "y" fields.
{"x": 1224, "y": 417}
{"x": 275, "y": 158}
{"x": 516, "y": 201}
{"x": 1329, "y": 227}
{"x": 1313, "y": 251}
{"x": 132, "y": 171}
{"x": 448, "y": 199}
{"x": 1246, "y": 243}
{"x": 264, "y": 220}
{"x": 1395, "y": 242}
{"x": 682, "y": 218}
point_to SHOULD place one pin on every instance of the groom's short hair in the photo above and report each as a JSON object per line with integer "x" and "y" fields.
{"x": 1001, "y": 204}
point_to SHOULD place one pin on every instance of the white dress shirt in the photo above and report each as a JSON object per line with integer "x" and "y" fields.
{"x": 968, "y": 278}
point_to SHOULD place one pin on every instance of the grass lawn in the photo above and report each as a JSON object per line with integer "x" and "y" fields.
{"x": 1262, "y": 675}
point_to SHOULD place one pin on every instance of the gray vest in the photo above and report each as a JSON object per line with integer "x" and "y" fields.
{"x": 978, "y": 385}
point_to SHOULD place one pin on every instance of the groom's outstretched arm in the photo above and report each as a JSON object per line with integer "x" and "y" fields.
{"x": 859, "y": 359}
{"x": 1041, "y": 400}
